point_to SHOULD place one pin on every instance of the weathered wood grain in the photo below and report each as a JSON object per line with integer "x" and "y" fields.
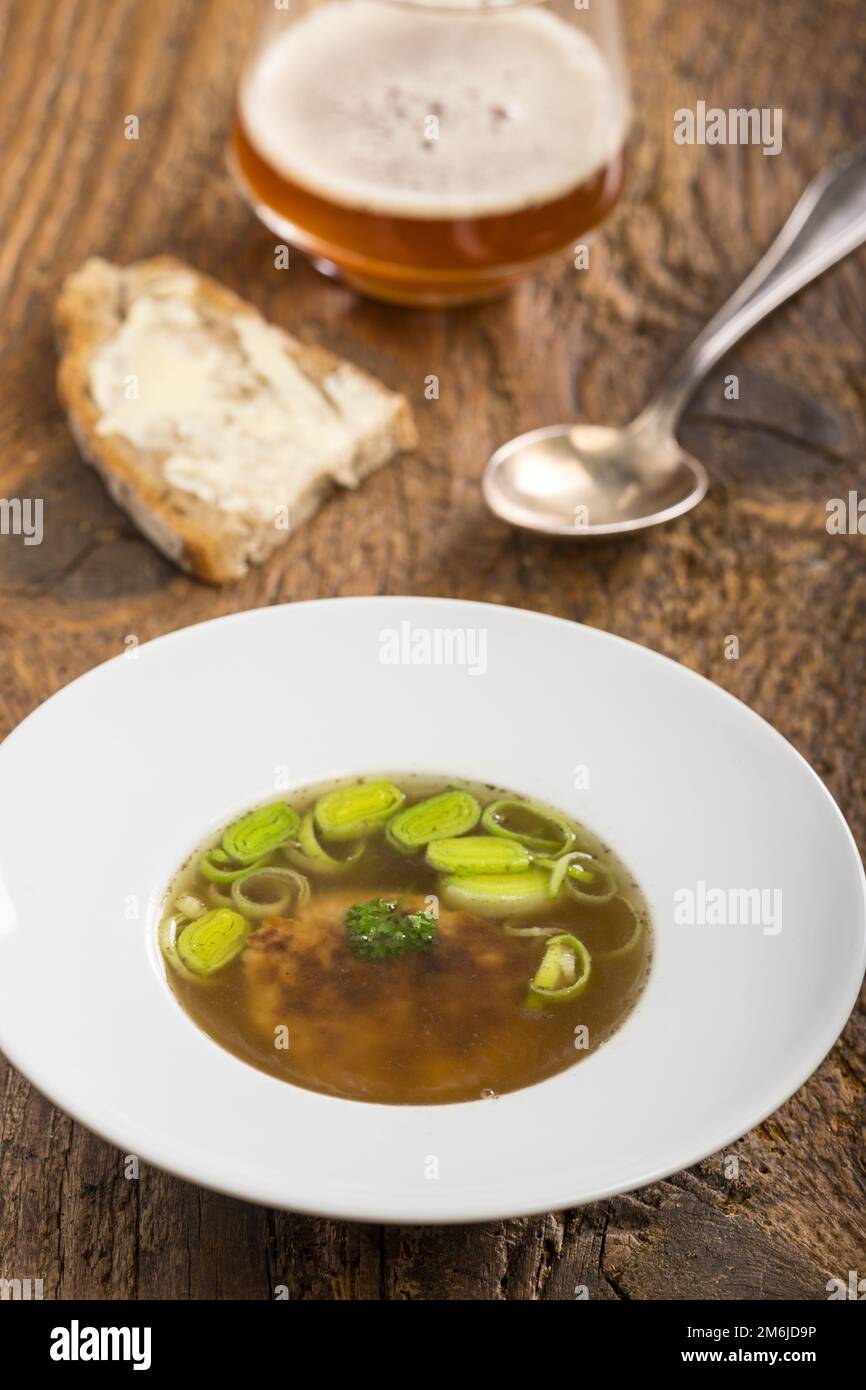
{"x": 755, "y": 560}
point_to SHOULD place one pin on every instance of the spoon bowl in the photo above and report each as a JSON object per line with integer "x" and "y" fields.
{"x": 586, "y": 481}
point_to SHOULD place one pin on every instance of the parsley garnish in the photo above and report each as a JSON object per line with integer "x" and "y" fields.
{"x": 379, "y": 930}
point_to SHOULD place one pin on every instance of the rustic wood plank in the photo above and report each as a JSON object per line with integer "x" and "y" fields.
{"x": 755, "y": 560}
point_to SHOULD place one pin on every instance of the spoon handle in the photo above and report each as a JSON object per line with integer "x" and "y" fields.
{"x": 827, "y": 224}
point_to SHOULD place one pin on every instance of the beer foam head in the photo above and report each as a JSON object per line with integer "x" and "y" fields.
{"x": 401, "y": 111}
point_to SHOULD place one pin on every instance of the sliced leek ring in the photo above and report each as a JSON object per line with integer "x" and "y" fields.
{"x": 540, "y": 828}
{"x": 558, "y": 869}
{"x": 211, "y": 942}
{"x": 478, "y": 854}
{"x": 258, "y": 834}
{"x": 218, "y": 867}
{"x": 563, "y": 974}
{"x": 588, "y": 881}
{"x": 530, "y": 931}
{"x": 634, "y": 940}
{"x": 190, "y": 906}
{"x": 440, "y": 817}
{"x": 270, "y": 892}
{"x": 497, "y": 895}
{"x": 353, "y": 813}
{"x": 220, "y": 895}
{"x": 308, "y": 855}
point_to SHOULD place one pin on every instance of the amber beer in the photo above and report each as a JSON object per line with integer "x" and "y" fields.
{"x": 430, "y": 156}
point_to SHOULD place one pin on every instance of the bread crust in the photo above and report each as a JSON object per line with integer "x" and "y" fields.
{"x": 196, "y": 536}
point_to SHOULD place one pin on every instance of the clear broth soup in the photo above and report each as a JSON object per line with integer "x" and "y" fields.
{"x": 408, "y": 940}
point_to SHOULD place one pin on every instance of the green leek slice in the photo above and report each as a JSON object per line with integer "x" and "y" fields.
{"x": 307, "y": 854}
{"x": 353, "y": 813}
{"x": 212, "y": 941}
{"x": 563, "y": 973}
{"x": 438, "y": 818}
{"x": 257, "y": 835}
{"x": 218, "y": 867}
{"x": 189, "y": 906}
{"x": 538, "y": 827}
{"x": 270, "y": 892}
{"x": 588, "y": 881}
{"x": 619, "y": 952}
{"x": 478, "y": 854}
{"x": 220, "y": 894}
{"x": 497, "y": 895}
{"x": 529, "y": 931}
{"x": 168, "y": 930}
{"x": 558, "y": 869}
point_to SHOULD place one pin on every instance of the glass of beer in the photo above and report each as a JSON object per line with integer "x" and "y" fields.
{"x": 433, "y": 151}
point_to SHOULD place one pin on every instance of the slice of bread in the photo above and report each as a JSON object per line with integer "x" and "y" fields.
{"x": 217, "y": 432}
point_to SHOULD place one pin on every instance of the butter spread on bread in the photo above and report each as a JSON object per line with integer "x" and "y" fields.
{"x": 218, "y": 432}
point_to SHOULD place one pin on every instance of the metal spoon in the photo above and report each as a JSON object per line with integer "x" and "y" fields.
{"x": 593, "y": 480}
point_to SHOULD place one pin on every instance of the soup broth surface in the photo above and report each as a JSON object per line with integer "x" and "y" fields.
{"x": 455, "y": 1020}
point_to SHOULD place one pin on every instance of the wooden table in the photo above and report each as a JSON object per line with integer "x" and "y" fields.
{"x": 755, "y": 561}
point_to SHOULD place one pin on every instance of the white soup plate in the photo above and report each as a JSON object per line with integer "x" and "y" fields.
{"x": 109, "y": 785}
